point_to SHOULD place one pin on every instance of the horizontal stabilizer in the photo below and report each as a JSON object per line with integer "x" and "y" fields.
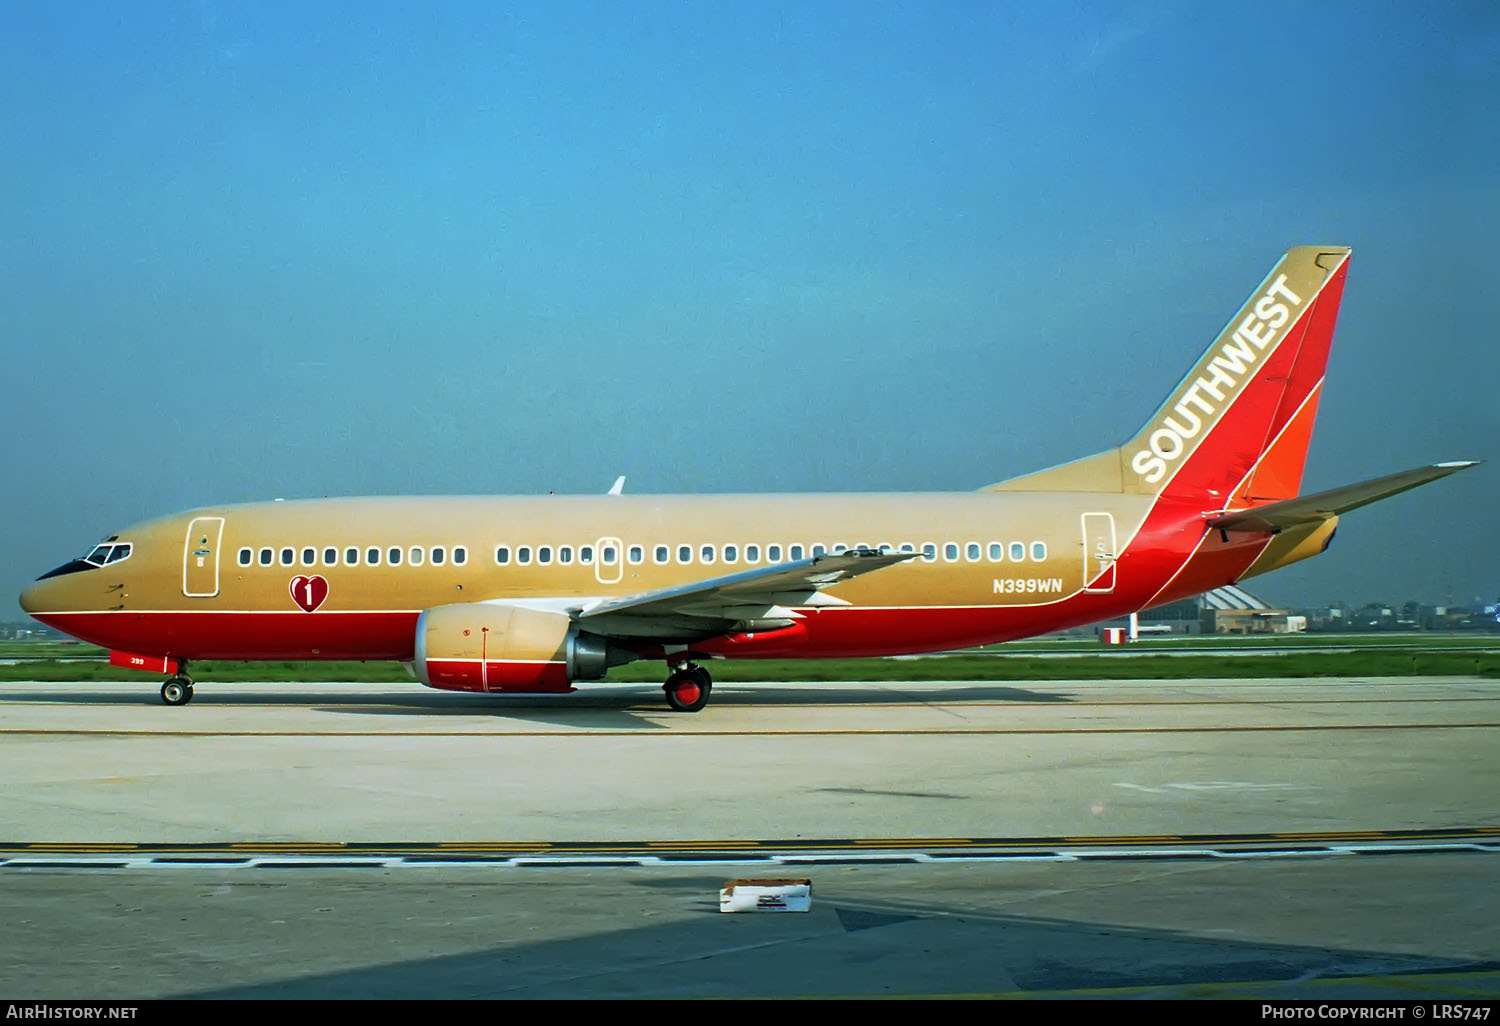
{"x": 1278, "y": 516}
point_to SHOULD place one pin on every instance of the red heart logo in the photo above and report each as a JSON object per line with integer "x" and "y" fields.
{"x": 309, "y": 592}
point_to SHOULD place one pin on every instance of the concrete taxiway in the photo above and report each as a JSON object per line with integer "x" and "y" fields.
{"x": 132, "y": 829}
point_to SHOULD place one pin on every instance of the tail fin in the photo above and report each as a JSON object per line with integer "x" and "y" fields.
{"x": 1237, "y": 427}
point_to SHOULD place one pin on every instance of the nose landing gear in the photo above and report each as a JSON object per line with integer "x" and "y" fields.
{"x": 688, "y": 687}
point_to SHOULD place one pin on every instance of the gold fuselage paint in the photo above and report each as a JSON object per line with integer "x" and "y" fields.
{"x": 1044, "y": 531}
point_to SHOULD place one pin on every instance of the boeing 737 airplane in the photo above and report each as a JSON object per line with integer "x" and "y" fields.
{"x": 530, "y": 594}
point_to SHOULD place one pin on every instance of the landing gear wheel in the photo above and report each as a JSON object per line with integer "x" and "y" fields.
{"x": 687, "y": 689}
{"x": 177, "y": 691}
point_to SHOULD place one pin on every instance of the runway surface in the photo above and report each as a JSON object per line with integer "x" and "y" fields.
{"x": 962, "y": 838}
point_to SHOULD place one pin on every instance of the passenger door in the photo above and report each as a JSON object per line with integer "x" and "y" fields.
{"x": 1099, "y": 553}
{"x": 609, "y": 561}
{"x": 200, "y": 557}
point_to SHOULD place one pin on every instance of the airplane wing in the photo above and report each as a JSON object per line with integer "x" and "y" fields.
{"x": 762, "y": 599}
{"x": 1278, "y": 516}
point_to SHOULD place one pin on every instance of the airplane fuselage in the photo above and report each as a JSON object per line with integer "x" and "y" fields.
{"x": 347, "y": 578}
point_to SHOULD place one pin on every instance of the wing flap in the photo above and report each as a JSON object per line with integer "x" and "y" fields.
{"x": 764, "y": 598}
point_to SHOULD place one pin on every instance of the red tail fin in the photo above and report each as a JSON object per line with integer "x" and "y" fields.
{"x": 1238, "y": 425}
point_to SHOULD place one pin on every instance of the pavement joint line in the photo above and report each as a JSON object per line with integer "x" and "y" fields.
{"x": 1399, "y": 839}
{"x": 325, "y": 860}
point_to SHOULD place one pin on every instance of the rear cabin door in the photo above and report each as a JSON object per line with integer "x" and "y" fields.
{"x": 200, "y": 557}
{"x": 1099, "y": 553}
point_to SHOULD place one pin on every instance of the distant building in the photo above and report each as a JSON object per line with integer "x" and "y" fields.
{"x": 1232, "y": 610}
{"x": 1173, "y": 619}
{"x": 29, "y": 631}
{"x": 1228, "y": 610}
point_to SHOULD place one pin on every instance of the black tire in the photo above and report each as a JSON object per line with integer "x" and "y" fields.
{"x": 688, "y": 690}
{"x": 177, "y": 691}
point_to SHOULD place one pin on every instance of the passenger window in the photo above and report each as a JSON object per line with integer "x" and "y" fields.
{"x": 372, "y": 557}
{"x": 586, "y": 555}
{"x": 414, "y": 555}
{"x": 460, "y": 555}
{"x": 661, "y": 554}
{"x": 565, "y": 554}
{"x": 523, "y": 555}
{"x": 684, "y": 554}
{"x": 1039, "y": 551}
{"x": 840, "y": 548}
{"x": 773, "y": 553}
{"x": 287, "y": 556}
{"x": 706, "y": 553}
{"x": 393, "y": 557}
{"x": 245, "y": 557}
{"x": 997, "y": 552}
{"x": 309, "y": 557}
{"x": 544, "y": 554}
{"x": 502, "y": 554}
{"x": 950, "y": 552}
{"x": 637, "y": 554}
{"x": 351, "y": 556}
{"x": 1017, "y": 552}
{"x": 330, "y": 556}
{"x": 439, "y": 555}
{"x": 972, "y": 552}
{"x": 752, "y": 553}
{"x": 794, "y": 552}
{"x": 731, "y": 554}
{"x": 609, "y": 556}
{"x": 265, "y": 557}
{"x": 908, "y": 547}
{"x": 929, "y": 552}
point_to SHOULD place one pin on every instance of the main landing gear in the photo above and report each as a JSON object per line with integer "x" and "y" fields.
{"x": 688, "y": 687}
{"x": 178, "y": 690}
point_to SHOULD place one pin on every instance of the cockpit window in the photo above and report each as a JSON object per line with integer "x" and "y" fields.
{"x": 105, "y": 554}
{"x": 107, "y": 551}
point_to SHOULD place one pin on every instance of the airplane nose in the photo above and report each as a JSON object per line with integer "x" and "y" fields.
{"x": 39, "y": 595}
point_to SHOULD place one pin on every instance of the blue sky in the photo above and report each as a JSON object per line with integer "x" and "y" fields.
{"x": 256, "y": 249}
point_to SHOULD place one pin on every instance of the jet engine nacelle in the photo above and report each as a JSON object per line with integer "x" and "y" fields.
{"x": 483, "y": 646}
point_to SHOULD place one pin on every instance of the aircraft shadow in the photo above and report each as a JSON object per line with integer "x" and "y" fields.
{"x": 619, "y": 708}
{"x": 624, "y": 709}
{"x": 842, "y": 948}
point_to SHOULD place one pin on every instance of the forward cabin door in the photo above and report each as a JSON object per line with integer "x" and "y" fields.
{"x": 1099, "y": 553}
{"x": 200, "y": 557}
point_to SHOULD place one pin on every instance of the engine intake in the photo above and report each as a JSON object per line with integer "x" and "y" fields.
{"x": 490, "y": 647}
